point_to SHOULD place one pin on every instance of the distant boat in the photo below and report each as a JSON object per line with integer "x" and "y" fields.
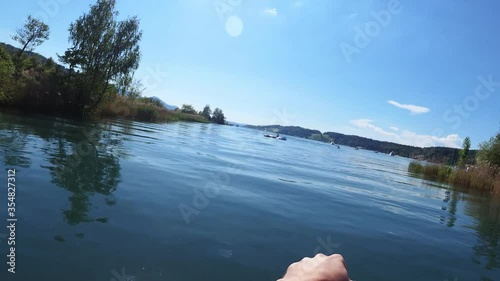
{"x": 277, "y": 137}
{"x": 332, "y": 143}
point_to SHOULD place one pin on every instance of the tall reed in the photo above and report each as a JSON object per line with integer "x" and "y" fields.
{"x": 482, "y": 177}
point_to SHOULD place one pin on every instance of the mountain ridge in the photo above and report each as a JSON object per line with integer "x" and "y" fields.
{"x": 432, "y": 154}
{"x": 166, "y": 105}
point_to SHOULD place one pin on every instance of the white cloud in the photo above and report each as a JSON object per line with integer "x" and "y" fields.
{"x": 407, "y": 137}
{"x": 414, "y": 109}
{"x": 367, "y": 124}
{"x": 452, "y": 140}
{"x": 394, "y": 128}
{"x": 271, "y": 12}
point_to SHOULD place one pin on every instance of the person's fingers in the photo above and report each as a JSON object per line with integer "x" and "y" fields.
{"x": 339, "y": 258}
{"x": 306, "y": 261}
{"x": 293, "y": 265}
{"x": 338, "y": 263}
{"x": 320, "y": 267}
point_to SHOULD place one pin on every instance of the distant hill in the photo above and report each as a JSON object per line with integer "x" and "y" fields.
{"x": 14, "y": 50}
{"x": 236, "y": 124}
{"x": 167, "y": 106}
{"x": 287, "y": 130}
{"x": 432, "y": 154}
{"x": 11, "y": 49}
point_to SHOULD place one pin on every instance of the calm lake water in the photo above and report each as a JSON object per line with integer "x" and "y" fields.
{"x": 103, "y": 202}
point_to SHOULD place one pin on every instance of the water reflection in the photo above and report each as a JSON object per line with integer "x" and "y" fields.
{"x": 486, "y": 224}
{"x": 85, "y": 172}
{"x": 487, "y": 227}
{"x": 13, "y": 143}
{"x": 83, "y": 157}
{"x": 451, "y": 200}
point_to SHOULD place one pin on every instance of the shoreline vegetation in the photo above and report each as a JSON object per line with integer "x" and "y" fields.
{"x": 482, "y": 176}
{"x": 96, "y": 78}
{"x": 144, "y": 109}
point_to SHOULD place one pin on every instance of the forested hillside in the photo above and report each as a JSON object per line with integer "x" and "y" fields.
{"x": 432, "y": 154}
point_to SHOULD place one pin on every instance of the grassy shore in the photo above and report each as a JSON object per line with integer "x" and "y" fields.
{"x": 482, "y": 178}
{"x": 144, "y": 110}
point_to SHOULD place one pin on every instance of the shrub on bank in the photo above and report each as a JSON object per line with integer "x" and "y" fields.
{"x": 147, "y": 112}
{"x": 444, "y": 172}
{"x": 415, "y": 167}
{"x": 483, "y": 178}
{"x": 496, "y": 186}
{"x": 144, "y": 110}
{"x": 430, "y": 171}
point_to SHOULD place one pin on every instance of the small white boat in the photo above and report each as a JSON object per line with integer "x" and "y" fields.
{"x": 277, "y": 137}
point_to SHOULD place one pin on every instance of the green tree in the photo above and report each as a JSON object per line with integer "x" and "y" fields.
{"x": 6, "y": 71}
{"x": 32, "y": 34}
{"x": 123, "y": 84}
{"x": 489, "y": 151}
{"x": 320, "y": 137}
{"x": 207, "y": 112}
{"x": 218, "y": 117}
{"x": 187, "y": 108}
{"x": 317, "y": 137}
{"x": 464, "y": 152}
{"x": 130, "y": 87}
{"x": 136, "y": 89}
{"x": 49, "y": 65}
{"x": 104, "y": 49}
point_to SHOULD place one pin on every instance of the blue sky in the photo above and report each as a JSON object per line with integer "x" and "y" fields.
{"x": 423, "y": 73}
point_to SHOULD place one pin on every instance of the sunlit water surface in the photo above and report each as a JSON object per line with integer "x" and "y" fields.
{"x": 123, "y": 200}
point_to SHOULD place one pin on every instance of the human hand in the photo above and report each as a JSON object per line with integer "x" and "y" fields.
{"x": 319, "y": 268}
